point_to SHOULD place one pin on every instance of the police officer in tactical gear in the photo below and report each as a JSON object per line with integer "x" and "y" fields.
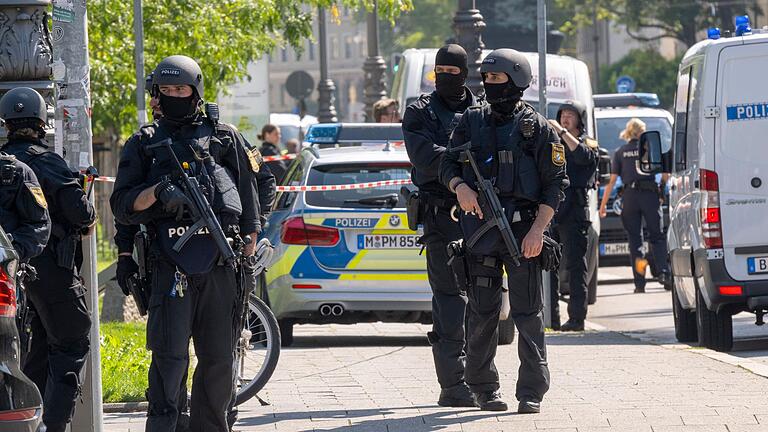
{"x": 427, "y": 126}
{"x": 571, "y": 222}
{"x": 520, "y": 152}
{"x": 23, "y": 209}
{"x": 642, "y": 199}
{"x": 194, "y": 291}
{"x": 59, "y": 317}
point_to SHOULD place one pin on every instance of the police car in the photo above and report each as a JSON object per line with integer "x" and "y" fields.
{"x": 718, "y": 235}
{"x": 612, "y": 112}
{"x": 346, "y": 256}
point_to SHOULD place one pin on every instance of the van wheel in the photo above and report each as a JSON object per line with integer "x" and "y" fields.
{"x": 592, "y": 288}
{"x": 286, "y": 332}
{"x": 715, "y": 328}
{"x": 685, "y": 320}
{"x": 506, "y": 331}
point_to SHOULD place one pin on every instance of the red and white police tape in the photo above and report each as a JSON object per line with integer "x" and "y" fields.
{"x": 316, "y": 188}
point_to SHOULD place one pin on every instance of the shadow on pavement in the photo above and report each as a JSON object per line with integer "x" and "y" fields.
{"x": 434, "y": 421}
{"x": 592, "y": 338}
{"x": 358, "y": 341}
{"x": 647, "y": 313}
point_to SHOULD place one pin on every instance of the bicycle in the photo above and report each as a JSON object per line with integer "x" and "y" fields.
{"x": 258, "y": 344}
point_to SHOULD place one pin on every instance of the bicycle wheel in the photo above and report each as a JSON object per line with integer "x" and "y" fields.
{"x": 257, "y": 351}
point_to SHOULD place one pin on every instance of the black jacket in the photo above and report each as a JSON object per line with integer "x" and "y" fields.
{"x": 278, "y": 167}
{"x": 23, "y": 208}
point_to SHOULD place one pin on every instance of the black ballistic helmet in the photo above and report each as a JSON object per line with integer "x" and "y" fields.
{"x": 179, "y": 70}
{"x": 23, "y": 103}
{"x": 577, "y": 107}
{"x": 511, "y": 62}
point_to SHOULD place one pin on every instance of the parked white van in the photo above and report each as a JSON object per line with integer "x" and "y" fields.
{"x": 718, "y": 234}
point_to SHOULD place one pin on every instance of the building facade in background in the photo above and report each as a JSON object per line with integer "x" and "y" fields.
{"x": 346, "y": 53}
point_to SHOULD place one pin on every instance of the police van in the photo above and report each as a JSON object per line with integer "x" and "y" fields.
{"x": 567, "y": 79}
{"x": 718, "y": 234}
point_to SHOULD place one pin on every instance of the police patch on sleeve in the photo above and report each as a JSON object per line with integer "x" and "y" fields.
{"x": 255, "y": 158}
{"x": 37, "y": 192}
{"x": 558, "y": 154}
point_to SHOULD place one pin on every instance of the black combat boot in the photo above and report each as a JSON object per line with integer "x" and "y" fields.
{"x": 458, "y": 396}
{"x": 528, "y": 406}
{"x": 490, "y": 401}
{"x": 573, "y": 325}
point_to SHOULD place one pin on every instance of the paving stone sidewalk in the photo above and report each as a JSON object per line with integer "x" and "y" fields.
{"x": 380, "y": 378}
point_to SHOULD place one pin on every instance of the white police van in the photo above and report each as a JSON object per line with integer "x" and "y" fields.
{"x": 718, "y": 234}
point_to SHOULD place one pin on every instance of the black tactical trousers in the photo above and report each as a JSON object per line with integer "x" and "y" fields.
{"x": 60, "y": 323}
{"x": 571, "y": 231}
{"x": 449, "y": 302}
{"x": 525, "y": 298}
{"x": 205, "y": 313}
{"x": 639, "y": 206}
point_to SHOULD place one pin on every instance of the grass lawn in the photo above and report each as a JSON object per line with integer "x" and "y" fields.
{"x": 124, "y": 361}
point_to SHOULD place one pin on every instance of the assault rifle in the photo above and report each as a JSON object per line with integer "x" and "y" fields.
{"x": 493, "y": 212}
{"x": 200, "y": 209}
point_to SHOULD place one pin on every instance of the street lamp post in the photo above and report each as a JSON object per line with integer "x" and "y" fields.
{"x": 374, "y": 67}
{"x": 468, "y": 25}
{"x": 326, "y": 112}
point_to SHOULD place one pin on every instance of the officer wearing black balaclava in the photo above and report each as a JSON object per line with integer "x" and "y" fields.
{"x": 519, "y": 151}
{"x": 571, "y": 223}
{"x": 427, "y": 127}
{"x": 194, "y": 293}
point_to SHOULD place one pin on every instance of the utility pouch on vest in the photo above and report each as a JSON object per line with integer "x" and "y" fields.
{"x": 505, "y": 182}
{"x": 457, "y": 261}
{"x": 413, "y": 208}
{"x": 66, "y": 248}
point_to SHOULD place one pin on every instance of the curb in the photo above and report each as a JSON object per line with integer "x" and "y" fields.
{"x": 125, "y": 407}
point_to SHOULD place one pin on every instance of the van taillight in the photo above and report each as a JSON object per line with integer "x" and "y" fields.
{"x": 296, "y": 232}
{"x": 17, "y": 415}
{"x": 7, "y": 295}
{"x": 710, "y": 210}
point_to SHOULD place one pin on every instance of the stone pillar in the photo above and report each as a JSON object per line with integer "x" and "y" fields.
{"x": 468, "y": 26}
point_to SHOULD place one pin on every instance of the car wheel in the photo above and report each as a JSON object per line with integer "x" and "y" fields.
{"x": 685, "y": 320}
{"x": 286, "y": 332}
{"x": 715, "y": 328}
{"x": 506, "y": 331}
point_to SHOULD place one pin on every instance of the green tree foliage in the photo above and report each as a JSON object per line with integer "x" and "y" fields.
{"x": 223, "y": 36}
{"x": 652, "y": 73}
{"x": 679, "y": 19}
{"x": 427, "y": 25}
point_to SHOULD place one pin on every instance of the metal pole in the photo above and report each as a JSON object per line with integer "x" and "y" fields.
{"x": 374, "y": 67}
{"x": 326, "y": 112}
{"x": 542, "y": 28}
{"x": 468, "y": 26}
{"x": 138, "y": 33}
{"x": 73, "y": 132}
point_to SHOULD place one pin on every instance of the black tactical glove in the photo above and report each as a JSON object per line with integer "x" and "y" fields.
{"x": 551, "y": 254}
{"x": 172, "y": 198}
{"x": 126, "y": 267}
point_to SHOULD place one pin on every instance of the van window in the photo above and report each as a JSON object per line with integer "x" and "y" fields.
{"x": 681, "y": 118}
{"x": 608, "y": 130}
{"x": 694, "y": 108}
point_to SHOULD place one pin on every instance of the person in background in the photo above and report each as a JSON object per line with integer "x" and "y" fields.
{"x": 641, "y": 203}
{"x": 292, "y": 146}
{"x": 270, "y": 137}
{"x": 386, "y": 111}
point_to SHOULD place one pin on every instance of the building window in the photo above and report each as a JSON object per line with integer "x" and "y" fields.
{"x": 334, "y": 47}
{"x": 284, "y": 55}
{"x": 311, "y": 50}
{"x": 348, "y": 47}
{"x": 282, "y": 95}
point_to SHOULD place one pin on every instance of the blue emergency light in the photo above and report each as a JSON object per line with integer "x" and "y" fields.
{"x": 713, "y": 33}
{"x": 327, "y": 133}
{"x": 742, "y": 25}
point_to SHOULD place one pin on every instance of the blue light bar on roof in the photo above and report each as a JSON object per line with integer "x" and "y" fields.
{"x": 325, "y": 133}
{"x": 742, "y": 25}
{"x": 713, "y": 33}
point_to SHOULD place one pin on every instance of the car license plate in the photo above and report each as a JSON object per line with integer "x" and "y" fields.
{"x": 757, "y": 265}
{"x": 614, "y": 249}
{"x": 384, "y": 241}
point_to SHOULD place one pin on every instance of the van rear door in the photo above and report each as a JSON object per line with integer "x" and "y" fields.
{"x": 741, "y": 158}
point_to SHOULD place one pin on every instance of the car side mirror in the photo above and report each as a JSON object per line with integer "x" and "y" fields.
{"x": 650, "y": 157}
{"x": 604, "y": 166}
